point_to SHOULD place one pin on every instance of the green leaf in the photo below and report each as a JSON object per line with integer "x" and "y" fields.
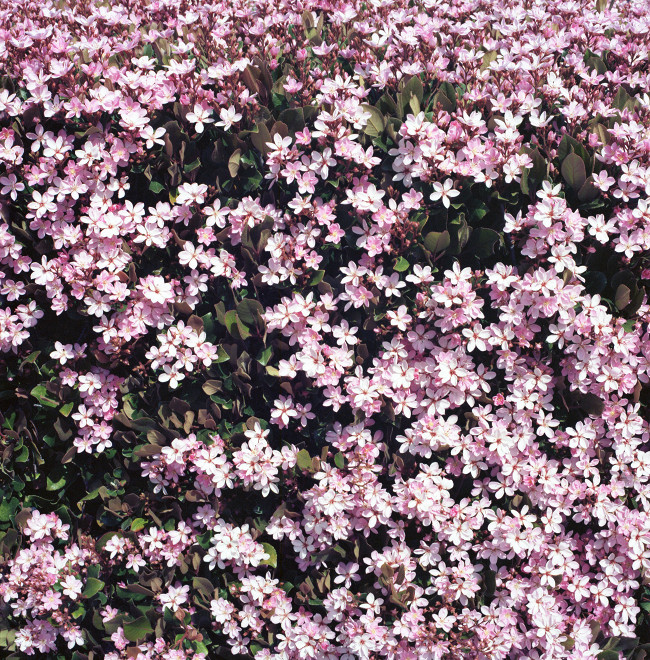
{"x": 602, "y": 132}
{"x": 203, "y": 586}
{"x": 22, "y": 455}
{"x": 272, "y": 561}
{"x": 230, "y": 321}
{"x": 144, "y": 451}
{"x": 401, "y": 265}
{"x": 250, "y": 312}
{"x": 590, "y": 403}
{"x": 139, "y": 589}
{"x": 588, "y": 192}
{"x": 138, "y": 629}
{"x": 568, "y": 145}
{"x": 211, "y": 387}
{"x": 156, "y": 187}
{"x": 281, "y": 128}
{"x": 303, "y": 460}
{"x": 622, "y": 297}
{"x": 489, "y": 57}
{"x": 448, "y": 90}
{"x": 222, "y": 355}
{"x": 253, "y": 182}
{"x": 459, "y": 233}
{"x": 597, "y": 64}
{"x": 7, "y": 638}
{"x": 573, "y": 171}
{"x": 317, "y": 278}
{"x": 376, "y": 123}
{"x": 79, "y": 612}
{"x": 192, "y": 166}
{"x": 66, "y": 409}
{"x": 437, "y": 241}
{"x": 410, "y": 96}
{"x": 539, "y": 170}
{"x": 622, "y": 99}
{"x": 55, "y": 480}
{"x": 635, "y": 303}
{"x": 387, "y": 105}
{"x": 482, "y": 242}
{"x": 294, "y": 118}
{"x": 8, "y": 508}
{"x": 537, "y": 173}
{"x": 260, "y": 137}
{"x": 265, "y": 356}
{"x": 93, "y": 586}
{"x": 234, "y": 162}
{"x": 339, "y": 460}
{"x": 629, "y": 326}
{"x": 608, "y": 655}
{"x": 138, "y": 524}
{"x": 444, "y": 101}
{"x": 32, "y": 357}
{"x": 242, "y": 329}
{"x": 41, "y": 394}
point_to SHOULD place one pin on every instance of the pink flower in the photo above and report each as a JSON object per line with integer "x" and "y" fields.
{"x": 283, "y": 410}
{"x": 174, "y": 597}
{"x": 400, "y": 318}
{"x": 603, "y": 181}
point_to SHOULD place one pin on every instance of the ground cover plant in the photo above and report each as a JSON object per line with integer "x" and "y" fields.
{"x": 324, "y": 329}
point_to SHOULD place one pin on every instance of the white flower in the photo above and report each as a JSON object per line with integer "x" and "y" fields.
{"x": 509, "y": 121}
{"x": 200, "y": 116}
{"x": 228, "y": 118}
{"x": 444, "y": 192}
{"x": 62, "y": 352}
{"x": 172, "y": 374}
{"x": 71, "y": 586}
{"x": 154, "y": 136}
{"x": 175, "y": 597}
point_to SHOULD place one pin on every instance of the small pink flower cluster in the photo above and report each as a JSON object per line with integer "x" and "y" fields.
{"x": 254, "y": 465}
{"x": 410, "y": 242}
{"x": 99, "y": 390}
{"x": 43, "y": 584}
{"x": 154, "y": 547}
{"x": 158, "y": 650}
{"x": 181, "y": 349}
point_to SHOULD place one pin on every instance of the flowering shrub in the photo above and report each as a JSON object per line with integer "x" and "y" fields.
{"x": 324, "y": 329}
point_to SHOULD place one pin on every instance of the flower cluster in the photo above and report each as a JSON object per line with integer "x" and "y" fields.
{"x": 325, "y": 329}
{"x": 181, "y": 349}
{"x": 44, "y": 584}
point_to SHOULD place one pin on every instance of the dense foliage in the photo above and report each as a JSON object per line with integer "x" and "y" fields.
{"x": 324, "y": 329}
